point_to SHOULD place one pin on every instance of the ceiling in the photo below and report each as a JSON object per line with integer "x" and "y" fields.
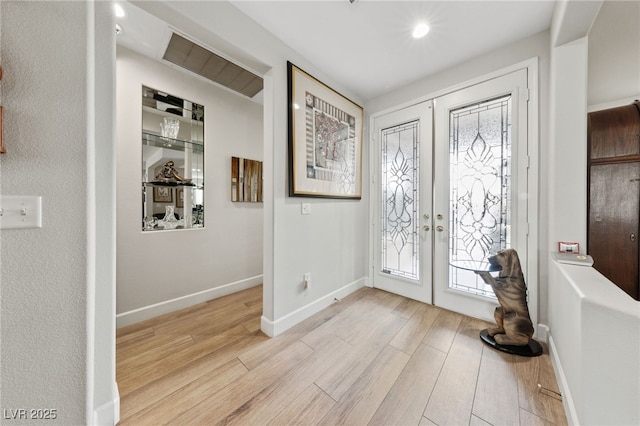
{"x": 367, "y": 45}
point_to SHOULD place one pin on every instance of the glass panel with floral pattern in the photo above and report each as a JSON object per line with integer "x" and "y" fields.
{"x": 480, "y": 187}
{"x": 400, "y": 201}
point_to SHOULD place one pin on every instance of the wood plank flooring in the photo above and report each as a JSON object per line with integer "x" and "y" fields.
{"x": 372, "y": 358}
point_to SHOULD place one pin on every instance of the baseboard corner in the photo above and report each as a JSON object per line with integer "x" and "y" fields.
{"x": 543, "y": 333}
{"x": 108, "y": 414}
{"x": 267, "y": 326}
{"x": 274, "y": 328}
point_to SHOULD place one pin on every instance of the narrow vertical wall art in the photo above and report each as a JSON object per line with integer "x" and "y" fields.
{"x": 246, "y": 180}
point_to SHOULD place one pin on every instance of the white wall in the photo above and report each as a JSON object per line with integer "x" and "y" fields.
{"x": 226, "y": 255}
{"x": 614, "y": 43}
{"x": 332, "y": 241}
{"x": 49, "y": 275}
{"x": 595, "y": 339}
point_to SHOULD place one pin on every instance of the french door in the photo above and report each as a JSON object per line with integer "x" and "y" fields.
{"x": 403, "y": 247}
{"x": 453, "y": 186}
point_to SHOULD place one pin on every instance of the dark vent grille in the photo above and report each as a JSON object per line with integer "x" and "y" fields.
{"x": 201, "y": 61}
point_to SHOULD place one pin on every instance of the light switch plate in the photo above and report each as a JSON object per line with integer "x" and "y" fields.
{"x": 20, "y": 211}
{"x": 306, "y": 208}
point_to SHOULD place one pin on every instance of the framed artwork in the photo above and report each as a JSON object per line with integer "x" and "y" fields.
{"x": 162, "y": 194}
{"x": 179, "y": 198}
{"x": 246, "y": 180}
{"x": 325, "y": 139}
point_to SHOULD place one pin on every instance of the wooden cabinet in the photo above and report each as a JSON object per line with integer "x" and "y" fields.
{"x": 614, "y": 195}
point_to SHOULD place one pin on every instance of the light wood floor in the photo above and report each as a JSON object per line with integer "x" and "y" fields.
{"x": 373, "y": 358}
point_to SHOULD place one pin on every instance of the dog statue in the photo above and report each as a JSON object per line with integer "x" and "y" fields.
{"x": 512, "y": 316}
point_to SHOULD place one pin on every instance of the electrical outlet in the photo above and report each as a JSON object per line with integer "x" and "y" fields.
{"x": 307, "y": 280}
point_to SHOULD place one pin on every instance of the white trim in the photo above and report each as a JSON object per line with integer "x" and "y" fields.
{"x": 274, "y": 328}
{"x": 613, "y": 104}
{"x": 567, "y": 400}
{"x": 91, "y": 211}
{"x": 109, "y": 413}
{"x": 151, "y": 311}
{"x": 533, "y": 189}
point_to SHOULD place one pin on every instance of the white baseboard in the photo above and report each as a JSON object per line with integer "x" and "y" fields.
{"x": 274, "y": 328}
{"x": 567, "y": 400}
{"x": 109, "y": 413}
{"x": 146, "y": 312}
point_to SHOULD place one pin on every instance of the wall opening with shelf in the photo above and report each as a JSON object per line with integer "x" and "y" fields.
{"x": 158, "y": 269}
{"x": 172, "y": 162}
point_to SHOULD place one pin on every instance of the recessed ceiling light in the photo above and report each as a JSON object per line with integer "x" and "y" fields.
{"x": 420, "y": 30}
{"x": 119, "y": 10}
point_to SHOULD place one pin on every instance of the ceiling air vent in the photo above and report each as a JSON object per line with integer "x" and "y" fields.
{"x": 201, "y": 61}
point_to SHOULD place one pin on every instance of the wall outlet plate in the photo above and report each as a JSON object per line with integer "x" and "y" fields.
{"x": 307, "y": 280}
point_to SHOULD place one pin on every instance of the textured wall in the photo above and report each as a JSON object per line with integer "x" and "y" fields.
{"x": 44, "y": 271}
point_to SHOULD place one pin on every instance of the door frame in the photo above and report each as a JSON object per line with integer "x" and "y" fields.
{"x": 531, "y": 264}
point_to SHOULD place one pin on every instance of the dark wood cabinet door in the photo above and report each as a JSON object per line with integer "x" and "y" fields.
{"x": 614, "y": 216}
{"x": 614, "y": 132}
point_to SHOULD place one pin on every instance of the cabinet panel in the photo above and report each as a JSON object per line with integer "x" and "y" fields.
{"x": 614, "y": 217}
{"x": 614, "y": 132}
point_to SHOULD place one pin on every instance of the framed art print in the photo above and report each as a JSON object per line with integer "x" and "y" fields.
{"x": 162, "y": 194}
{"x": 325, "y": 139}
{"x": 179, "y": 198}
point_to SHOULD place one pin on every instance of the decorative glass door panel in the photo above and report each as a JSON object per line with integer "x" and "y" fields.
{"x": 403, "y": 241}
{"x": 479, "y": 188}
{"x": 400, "y": 200}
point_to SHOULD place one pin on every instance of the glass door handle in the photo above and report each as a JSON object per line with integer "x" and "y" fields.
{"x": 439, "y": 228}
{"x": 426, "y": 228}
